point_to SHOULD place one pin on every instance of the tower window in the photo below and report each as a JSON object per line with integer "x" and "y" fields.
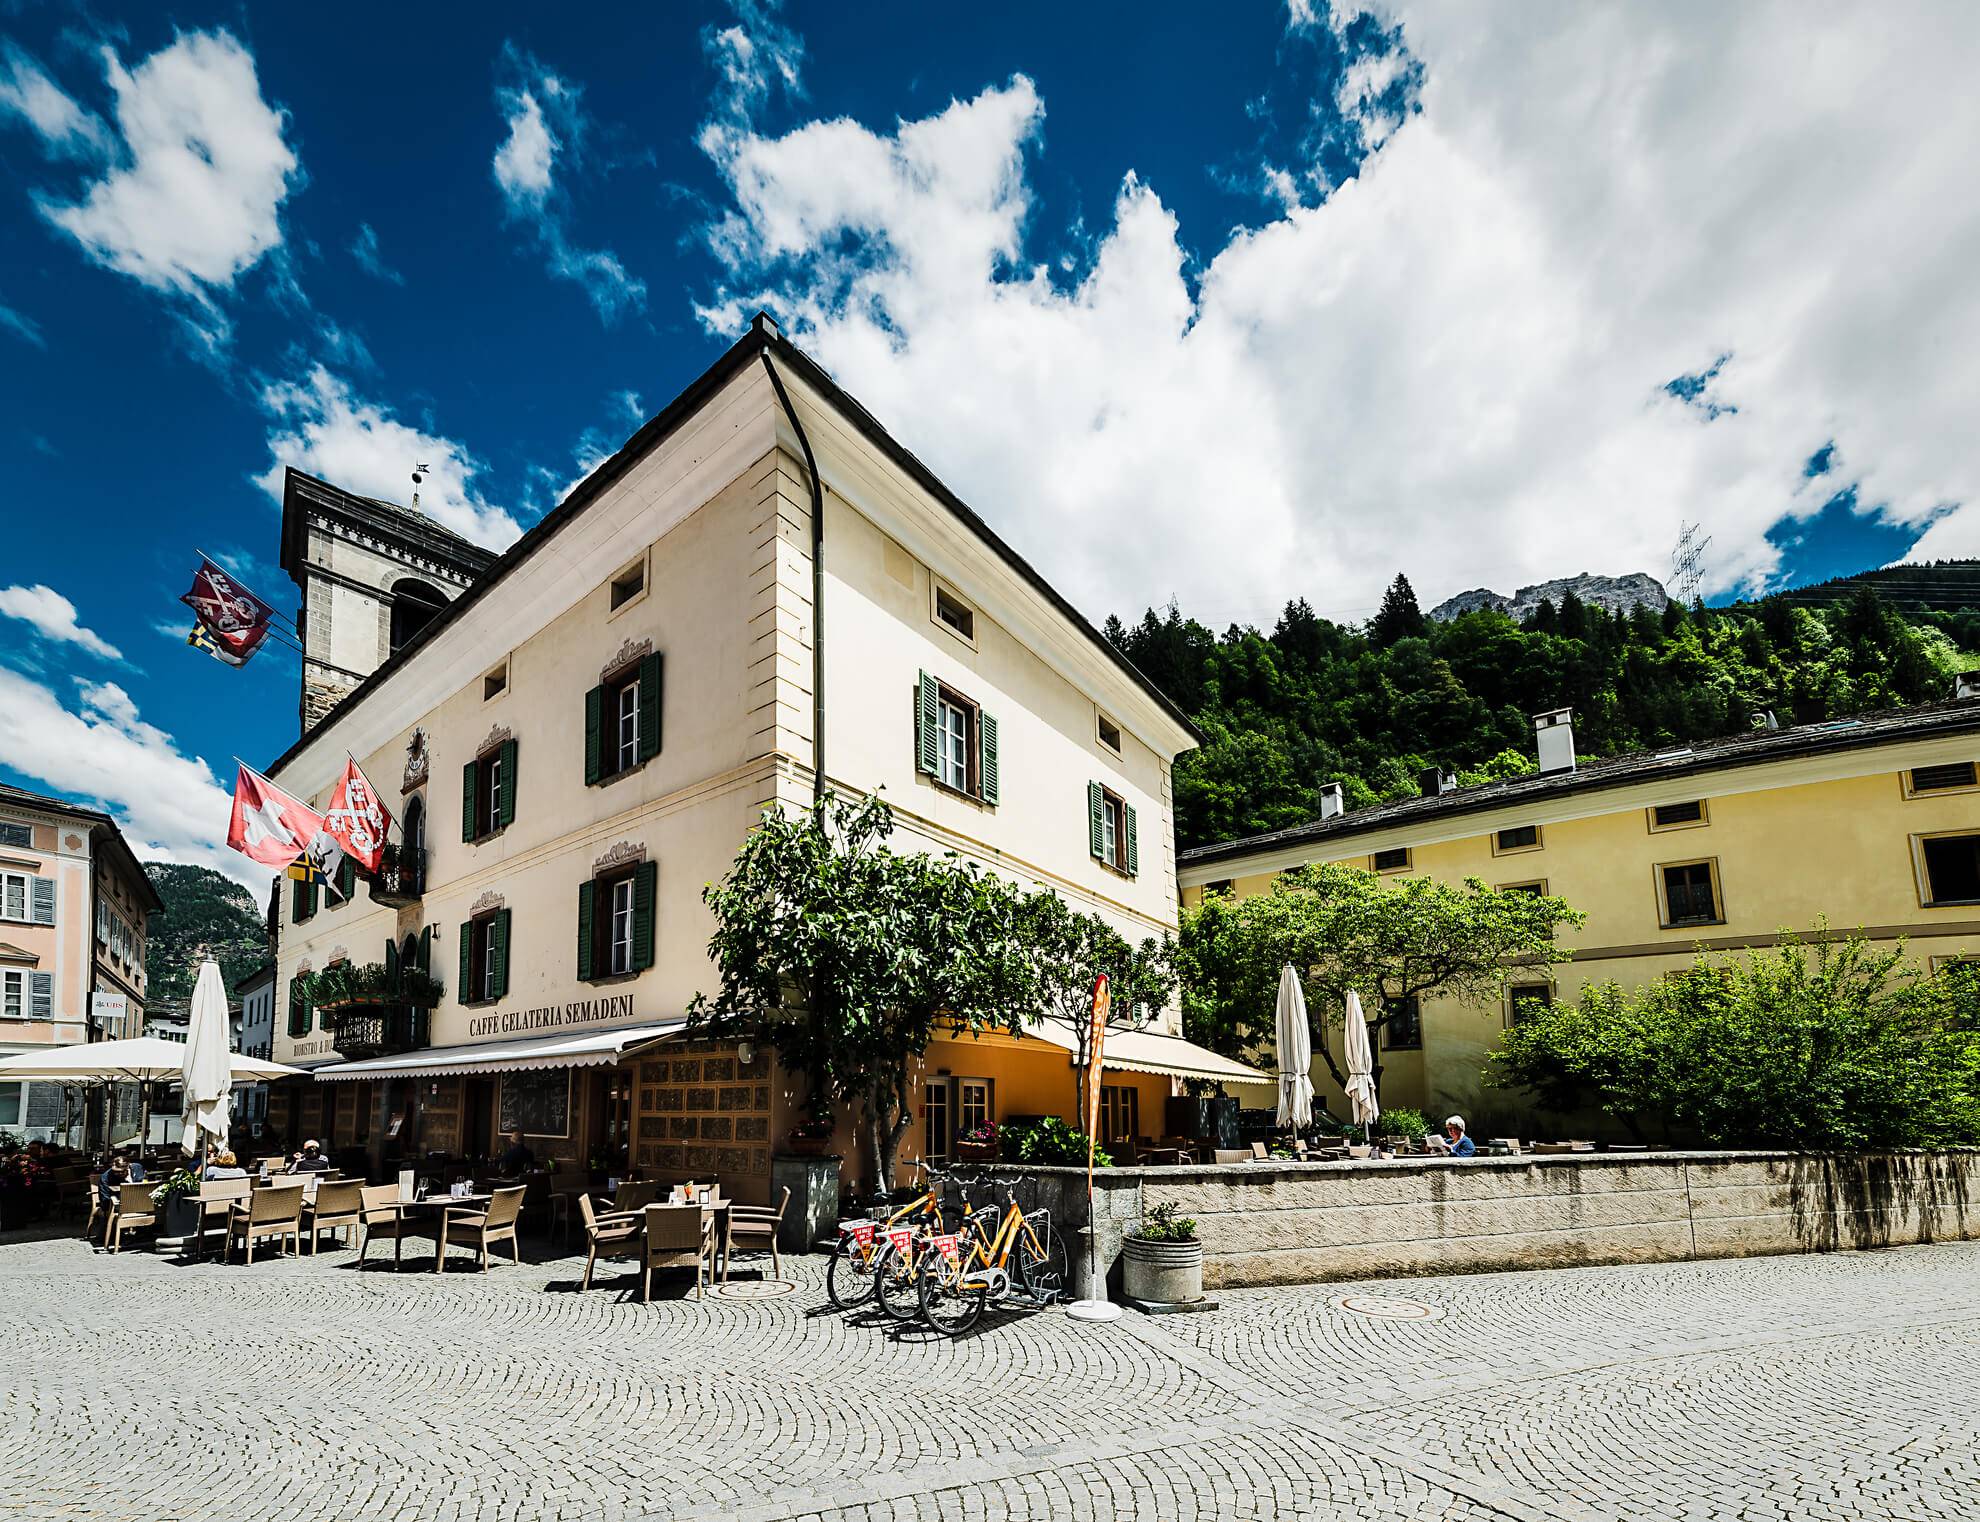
{"x": 414, "y": 606}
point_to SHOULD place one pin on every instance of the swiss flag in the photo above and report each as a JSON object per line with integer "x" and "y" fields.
{"x": 268, "y": 825}
{"x": 356, "y": 818}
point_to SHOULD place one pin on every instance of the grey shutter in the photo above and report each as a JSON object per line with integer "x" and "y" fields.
{"x": 507, "y": 802}
{"x": 652, "y": 677}
{"x": 927, "y": 707}
{"x": 44, "y": 900}
{"x": 587, "y": 892}
{"x": 1096, "y": 820}
{"x": 645, "y": 881}
{"x": 466, "y": 990}
{"x": 594, "y": 725}
{"x": 498, "y": 969}
{"x": 468, "y": 792}
{"x": 41, "y": 996}
{"x": 986, "y": 756}
{"x": 1132, "y": 856}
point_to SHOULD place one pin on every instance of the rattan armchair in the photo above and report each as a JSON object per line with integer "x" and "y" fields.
{"x": 338, "y": 1207}
{"x": 481, "y": 1228}
{"x": 613, "y": 1235}
{"x": 129, "y": 1209}
{"x": 272, "y": 1212}
{"x": 677, "y": 1236}
{"x": 753, "y": 1228}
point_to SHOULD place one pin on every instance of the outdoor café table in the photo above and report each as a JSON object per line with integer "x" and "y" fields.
{"x": 432, "y": 1212}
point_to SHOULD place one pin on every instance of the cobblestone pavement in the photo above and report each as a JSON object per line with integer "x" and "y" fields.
{"x": 1837, "y": 1387}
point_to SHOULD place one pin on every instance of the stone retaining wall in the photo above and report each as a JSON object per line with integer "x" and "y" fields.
{"x": 1283, "y": 1223}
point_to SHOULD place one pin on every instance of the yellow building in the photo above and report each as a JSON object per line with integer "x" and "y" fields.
{"x": 1871, "y": 823}
{"x": 581, "y": 739}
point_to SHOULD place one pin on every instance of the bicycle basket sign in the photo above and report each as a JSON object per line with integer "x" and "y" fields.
{"x": 860, "y": 1231}
{"x": 900, "y": 1236}
{"x": 945, "y": 1245}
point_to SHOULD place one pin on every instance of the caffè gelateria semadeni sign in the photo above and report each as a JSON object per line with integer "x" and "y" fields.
{"x": 549, "y": 1017}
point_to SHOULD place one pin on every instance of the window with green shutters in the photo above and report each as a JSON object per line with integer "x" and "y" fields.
{"x": 298, "y": 1009}
{"x": 488, "y": 793}
{"x": 616, "y": 913}
{"x": 346, "y": 879}
{"x": 955, "y": 741}
{"x": 302, "y": 900}
{"x": 485, "y": 957}
{"x": 1112, "y": 830}
{"x": 622, "y": 721}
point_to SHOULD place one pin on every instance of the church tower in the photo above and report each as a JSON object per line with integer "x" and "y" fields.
{"x": 372, "y": 575}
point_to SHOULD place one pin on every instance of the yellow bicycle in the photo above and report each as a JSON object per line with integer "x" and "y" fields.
{"x": 1020, "y": 1261}
{"x": 849, "y": 1277}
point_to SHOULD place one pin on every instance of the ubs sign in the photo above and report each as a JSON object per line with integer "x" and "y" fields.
{"x": 517, "y": 1022}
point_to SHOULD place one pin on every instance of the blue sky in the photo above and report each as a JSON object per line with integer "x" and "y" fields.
{"x": 1227, "y": 306}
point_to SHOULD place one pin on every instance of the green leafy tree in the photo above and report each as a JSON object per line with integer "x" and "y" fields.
{"x": 1825, "y": 1042}
{"x": 1388, "y": 940}
{"x": 849, "y": 958}
{"x": 1399, "y": 617}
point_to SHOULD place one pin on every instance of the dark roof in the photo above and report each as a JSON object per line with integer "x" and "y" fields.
{"x": 103, "y": 829}
{"x": 408, "y": 525}
{"x": 1593, "y": 775}
{"x": 762, "y": 337}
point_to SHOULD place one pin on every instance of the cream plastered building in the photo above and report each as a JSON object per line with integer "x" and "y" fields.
{"x": 1871, "y": 823}
{"x": 74, "y": 908}
{"x": 583, "y": 739}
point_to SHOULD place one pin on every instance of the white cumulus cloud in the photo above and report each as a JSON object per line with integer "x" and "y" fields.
{"x": 321, "y": 426}
{"x": 1455, "y": 364}
{"x": 65, "y": 128}
{"x": 53, "y": 617}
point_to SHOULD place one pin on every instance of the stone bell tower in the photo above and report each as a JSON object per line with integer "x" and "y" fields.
{"x": 372, "y": 575}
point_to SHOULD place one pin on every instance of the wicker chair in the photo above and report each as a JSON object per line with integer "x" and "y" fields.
{"x": 275, "y": 1212}
{"x": 379, "y": 1216}
{"x": 130, "y": 1209}
{"x": 481, "y": 1228}
{"x": 613, "y": 1235}
{"x": 753, "y": 1228}
{"x": 338, "y": 1207}
{"x": 634, "y": 1196}
{"x": 565, "y": 1190}
{"x": 677, "y": 1236}
{"x": 216, "y": 1199}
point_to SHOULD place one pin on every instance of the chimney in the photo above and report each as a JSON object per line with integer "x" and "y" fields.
{"x": 1333, "y": 801}
{"x": 1763, "y": 718}
{"x": 1554, "y": 735}
{"x": 1434, "y": 782}
{"x": 1966, "y": 687}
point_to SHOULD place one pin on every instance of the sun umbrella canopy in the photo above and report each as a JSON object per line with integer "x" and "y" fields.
{"x": 139, "y": 1059}
{"x": 1360, "y": 1064}
{"x": 208, "y": 1070}
{"x": 1295, "y": 1047}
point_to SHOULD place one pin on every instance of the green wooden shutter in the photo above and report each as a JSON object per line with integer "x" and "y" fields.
{"x": 645, "y": 881}
{"x": 650, "y": 688}
{"x": 323, "y": 1020}
{"x": 498, "y": 968}
{"x": 507, "y": 802}
{"x": 298, "y": 1015}
{"x": 346, "y": 878}
{"x": 468, "y": 791}
{"x": 467, "y": 990}
{"x": 986, "y": 756}
{"x": 594, "y": 723}
{"x": 927, "y": 709}
{"x": 1096, "y": 820}
{"x": 298, "y": 899}
{"x": 1132, "y": 855}
{"x": 587, "y": 892}
{"x": 426, "y": 948}
{"x": 392, "y": 961}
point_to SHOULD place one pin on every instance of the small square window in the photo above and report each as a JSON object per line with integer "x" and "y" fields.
{"x": 13, "y": 834}
{"x": 1691, "y": 895}
{"x": 950, "y": 610}
{"x": 1521, "y": 837}
{"x": 1945, "y": 778}
{"x": 1110, "y": 734}
{"x": 495, "y": 683}
{"x": 1536, "y": 889}
{"x": 1403, "y": 1030}
{"x": 1951, "y": 869}
{"x": 1528, "y": 1000}
{"x": 1394, "y": 860}
{"x": 629, "y": 583}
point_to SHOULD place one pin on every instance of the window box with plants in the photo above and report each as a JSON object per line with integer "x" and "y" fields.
{"x": 1162, "y": 1260}
{"x": 978, "y": 1144}
{"x": 809, "y": 1138}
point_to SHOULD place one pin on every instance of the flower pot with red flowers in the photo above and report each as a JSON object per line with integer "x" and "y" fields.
{"x": 810, "y": 1138}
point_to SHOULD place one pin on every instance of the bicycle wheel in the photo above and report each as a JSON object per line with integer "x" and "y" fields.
{"x": 896, "y": 1284}
{"x": 847, "y": 1281}
{"x": 1046, "y": 1276}
{"x": 947, "y": 1304}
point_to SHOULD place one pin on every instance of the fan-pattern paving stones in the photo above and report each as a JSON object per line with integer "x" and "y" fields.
{"x": 1836, "y": 1387}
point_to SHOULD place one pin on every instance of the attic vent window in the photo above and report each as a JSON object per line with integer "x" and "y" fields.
{"x": 1395, "y": 860}
{"x": 1110, "y": 734}
{"x": 949, "y": 609}
{"x": 628, "y": 584}
{"x": 1668, "y": 814}
{"x": 1938, "y": 779}
{"x": 495, "y": 683}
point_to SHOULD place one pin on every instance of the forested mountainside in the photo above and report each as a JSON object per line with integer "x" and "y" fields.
{"x": 1309, "y": 702}
{"x": 1945, "y": 585}
{"x": 201, "y": 908}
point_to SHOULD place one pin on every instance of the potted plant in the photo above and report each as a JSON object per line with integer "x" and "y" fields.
{"x": 809, "y": 1138}
{"x": 978, "y": 1144}
{"x": 1162, "y": 1261}
{"x": 177, "y": 1202}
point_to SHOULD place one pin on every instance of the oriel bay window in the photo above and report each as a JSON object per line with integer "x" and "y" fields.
{"x": 1112, "y": 833}
{"x": 955, "y": 741}
{"x": 615, "y": 921}
{"x": 485, "y": 957}
{"x": 488, "y": 792}
{"x": 622, "y": 721}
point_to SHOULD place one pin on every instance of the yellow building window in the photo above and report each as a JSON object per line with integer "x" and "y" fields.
{"x": 1678, "y": 816}
{"x": 1688, "y": 894}
{"x": 1948, "y": 869}
{"x": 1519, "y": 837}
{"x": 1393, "y": 860}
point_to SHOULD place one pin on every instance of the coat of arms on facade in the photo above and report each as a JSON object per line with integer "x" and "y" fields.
{"x": 415, "y": 761}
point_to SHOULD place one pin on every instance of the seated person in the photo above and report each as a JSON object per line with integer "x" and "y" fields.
{"x": 309, "y": 1160}
{"x": 516, "y": 1158}
{"x": 222, "y": 1164}
{"x": 1460, "y": 1144}
{"x": 118, "y": 1173}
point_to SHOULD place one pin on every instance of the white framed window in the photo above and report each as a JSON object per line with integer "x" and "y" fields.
{"x": 972, "y": 1103}
{"x": 14, "y": 895}
{"x": 626, "y": 734}
{"x": 1110, "y": 830}
{"x": 952, "y": 739}
{"x": 1120, "y": 1114}
{"x": 953, "y": 614}
{"x": 938, "y": 1129}
{"x": 491, "y": 794}
{"x": 1108, "y": 733}
{"x": 619, "y": 941}
{"x": 13, "y": 995}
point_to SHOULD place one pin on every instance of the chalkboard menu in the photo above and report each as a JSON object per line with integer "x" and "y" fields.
{"x": 537, "y": 1104}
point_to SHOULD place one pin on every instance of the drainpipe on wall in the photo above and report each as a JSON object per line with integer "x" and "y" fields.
{"x": 817, "y": 586}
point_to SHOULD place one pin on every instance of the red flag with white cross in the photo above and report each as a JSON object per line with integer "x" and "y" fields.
{"x": 268, "y": 825}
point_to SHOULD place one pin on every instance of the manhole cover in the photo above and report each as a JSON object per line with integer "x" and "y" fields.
{"x": 1388, "y": 1308}
{"x": 753, "y": 1289}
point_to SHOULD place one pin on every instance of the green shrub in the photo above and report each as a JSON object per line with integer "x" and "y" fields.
{"x": 1050, "y": 1143}
{"x": 1403, "y": 1122}
{"x": 1160, "y": 1223}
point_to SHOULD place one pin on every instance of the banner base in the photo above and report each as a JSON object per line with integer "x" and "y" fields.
{"x": 1094, "y": 1310}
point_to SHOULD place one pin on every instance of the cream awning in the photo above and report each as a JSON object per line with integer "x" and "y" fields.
{"x": 1135, "y": 1051}
{"x": 590, "y": 1049}
{"x": 137, "y": 1059}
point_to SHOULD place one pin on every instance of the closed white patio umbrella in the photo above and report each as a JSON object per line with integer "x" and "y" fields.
{"x": 1295, "y": 1047}
{"x": 207, "y": 1074}
{"x": 1360, "y": 1064}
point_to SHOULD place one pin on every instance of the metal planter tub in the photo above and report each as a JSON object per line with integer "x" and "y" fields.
{"x": 1162, "y": 1273}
